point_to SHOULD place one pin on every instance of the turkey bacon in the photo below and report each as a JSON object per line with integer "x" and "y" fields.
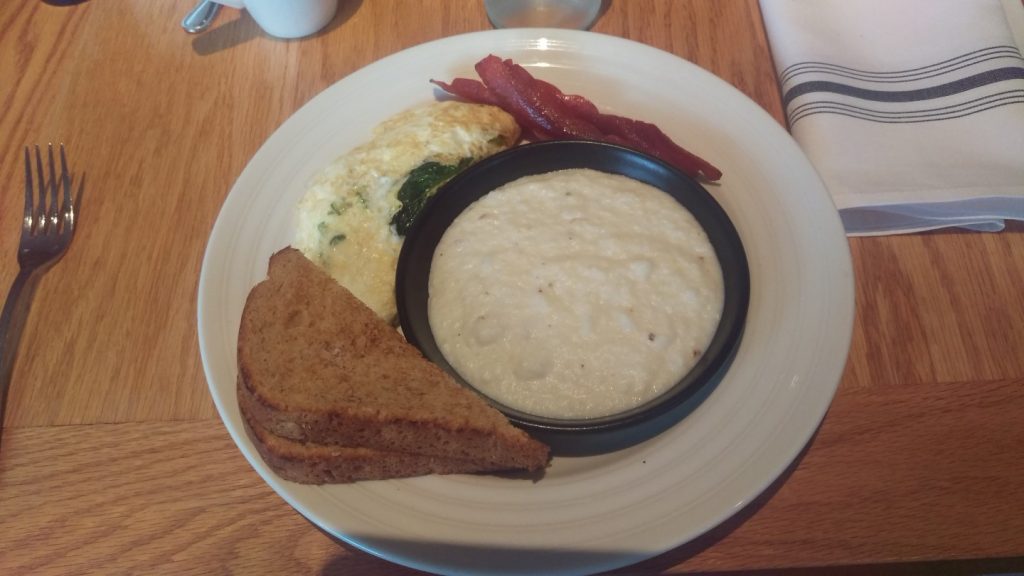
{"x": 546, "y": 113}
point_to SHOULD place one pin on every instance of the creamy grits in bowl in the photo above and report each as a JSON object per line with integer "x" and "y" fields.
{"x": 586, "y": 290}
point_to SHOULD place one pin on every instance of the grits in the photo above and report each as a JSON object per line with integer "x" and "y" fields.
{"x": 574, "y": 294}
{"x": 344, "y": 220}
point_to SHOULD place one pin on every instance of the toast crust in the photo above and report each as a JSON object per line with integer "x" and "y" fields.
{"x": 324, "y": 464}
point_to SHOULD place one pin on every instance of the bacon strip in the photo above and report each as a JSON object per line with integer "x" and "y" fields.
{"x": 472, "y": 90}
{"x": 545, "y": 113}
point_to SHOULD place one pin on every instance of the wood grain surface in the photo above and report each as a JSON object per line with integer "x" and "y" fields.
{"x": 114, "y": 460}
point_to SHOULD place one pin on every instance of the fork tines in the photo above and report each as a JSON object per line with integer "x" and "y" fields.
{"x": 46, "y": 217}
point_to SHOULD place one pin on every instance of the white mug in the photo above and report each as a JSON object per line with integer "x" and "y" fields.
{"x": 287, "y": 18}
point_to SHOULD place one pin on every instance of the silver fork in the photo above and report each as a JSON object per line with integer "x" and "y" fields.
{"x": 46, "y": 232}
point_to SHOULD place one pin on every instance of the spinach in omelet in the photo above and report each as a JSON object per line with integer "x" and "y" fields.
{"x": 419, "y": 187}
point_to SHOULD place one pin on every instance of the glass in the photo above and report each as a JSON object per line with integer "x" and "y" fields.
{"x": 579, "y": 14}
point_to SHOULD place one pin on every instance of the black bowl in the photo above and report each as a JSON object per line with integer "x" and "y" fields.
{"x": 607, "y": 432}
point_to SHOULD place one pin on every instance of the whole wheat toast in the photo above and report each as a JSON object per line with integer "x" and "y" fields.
{"x": 311, "y": 463}
{"x": 318, "y": 367}
{"x": 308, "y": 463}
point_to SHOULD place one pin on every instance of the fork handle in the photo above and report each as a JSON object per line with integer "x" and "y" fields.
{"x": 12, "y": 322}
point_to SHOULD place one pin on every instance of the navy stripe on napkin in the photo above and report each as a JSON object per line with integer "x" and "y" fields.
{"x": 952, "y": 88}
{"x": 952, "y": 64}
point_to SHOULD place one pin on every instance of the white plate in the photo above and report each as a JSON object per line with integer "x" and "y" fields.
{"x": 593, "y": 513}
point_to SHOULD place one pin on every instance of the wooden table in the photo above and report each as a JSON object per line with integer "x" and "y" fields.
{"x": 114, "y": 460}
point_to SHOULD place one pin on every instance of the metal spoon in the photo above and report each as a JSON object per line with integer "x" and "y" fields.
{"x": 200, "y": 17}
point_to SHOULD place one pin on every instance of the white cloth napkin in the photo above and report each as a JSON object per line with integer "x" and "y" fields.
{"x": 912, "y": 111}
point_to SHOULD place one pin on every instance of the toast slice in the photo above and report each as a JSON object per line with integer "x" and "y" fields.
{"x": 318, "y": 367}
{"x": 310, "y": 463}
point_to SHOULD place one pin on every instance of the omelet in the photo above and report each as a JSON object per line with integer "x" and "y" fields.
{"x": 352, "y": 220}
